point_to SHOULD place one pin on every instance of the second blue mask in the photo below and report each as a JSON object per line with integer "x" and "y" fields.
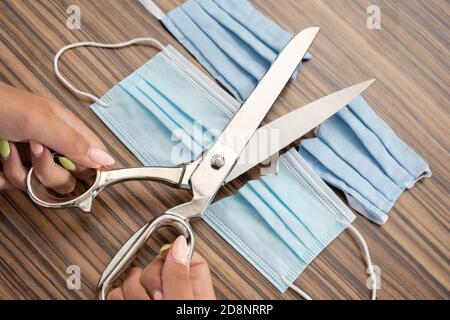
{"x": 232, "y": 39}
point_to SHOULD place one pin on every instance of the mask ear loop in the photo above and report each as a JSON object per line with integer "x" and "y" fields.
{"x": 69, "y": 86}
{"x": 302, "y": 293}
{"x": 370, "y": 268}
{"x": 355, "y": 233}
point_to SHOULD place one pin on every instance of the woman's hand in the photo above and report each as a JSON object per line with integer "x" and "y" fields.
{"x": 30, "y": 125}
{"x": 169, "y": 276}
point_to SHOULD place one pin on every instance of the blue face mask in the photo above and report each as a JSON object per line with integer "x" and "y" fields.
{"x": 167, "y": 111}
{"x": 284, "y": 221}
{"x": 235, "y": 42}
{"x": 357, "y": 152}
{"x": 280, "y": 223}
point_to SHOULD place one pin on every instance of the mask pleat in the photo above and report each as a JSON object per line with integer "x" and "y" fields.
{"x": 148, "y": 99}
{"x": 234, "y": 39}
{"x": 404, "y": 155}
{"x": 322, "y": 153}
{"x": 246, "y": 230}
{"x": 375, "y": 147}
{"x": 338, "y": 136}
{"x": 185, "y": 131}
{"x": 187, "y": 107}
{"x": 194, "y": 126}
{"x": 268, "y": 32}
{"x": 133, "y": 125}
{"x": 276, "y": 216}
{"x": 162, "y": 91}
{"x": 207, "y": 87}
{"x": 196, "y": 40}
{"x": 357, "y": 152}
{"x": 298, "y": 201}
{"x": 172, "y": 111}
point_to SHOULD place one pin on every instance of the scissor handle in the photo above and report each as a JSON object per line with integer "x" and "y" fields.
{"x": 174, "y": 176}
{"x": 126, "y": 254}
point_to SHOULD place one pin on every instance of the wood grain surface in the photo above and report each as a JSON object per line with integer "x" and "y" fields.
{"x": 409, "y": 57}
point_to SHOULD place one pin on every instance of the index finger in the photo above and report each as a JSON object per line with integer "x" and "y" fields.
{"x": 68, "y": 135}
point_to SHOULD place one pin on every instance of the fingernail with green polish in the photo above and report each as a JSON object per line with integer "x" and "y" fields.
{"x": 4, "y": 148}
{"x": 164, "y": 248}
{"x": 67, "y": 164}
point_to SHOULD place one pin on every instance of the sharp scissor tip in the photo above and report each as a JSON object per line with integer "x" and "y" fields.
{"x": 308, "y": 34}
{"x": 368, "y": 83}
{"x": 313, "y": 30}
{"x": 360, "y": 87}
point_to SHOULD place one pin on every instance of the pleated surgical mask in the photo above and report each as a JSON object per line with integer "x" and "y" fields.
{"x": 279, "y": 223}
{"x": 167, "y": 111}
{"x": 357, "y": 152}
{"x": 234, "y": 41}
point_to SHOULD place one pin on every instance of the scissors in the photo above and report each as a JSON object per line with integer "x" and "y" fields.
{"x": 219, "y": 164}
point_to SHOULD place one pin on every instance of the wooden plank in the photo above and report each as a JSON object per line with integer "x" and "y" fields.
{"x": 409, "y": 57}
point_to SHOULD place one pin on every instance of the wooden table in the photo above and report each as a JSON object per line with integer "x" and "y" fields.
{"x": 409, "y": 57}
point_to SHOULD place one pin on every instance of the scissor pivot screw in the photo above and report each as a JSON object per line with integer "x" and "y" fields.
{"x": 217, "y": 161}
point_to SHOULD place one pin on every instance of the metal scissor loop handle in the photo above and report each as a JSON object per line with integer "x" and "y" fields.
{"x": 126, "y": 254}
{"x": 174, "y": 176}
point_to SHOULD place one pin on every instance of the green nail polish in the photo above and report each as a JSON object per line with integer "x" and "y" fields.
{"x": 67, "y": 164}
{"x": 4, "y": 148}
{"x": 164, "y": 248}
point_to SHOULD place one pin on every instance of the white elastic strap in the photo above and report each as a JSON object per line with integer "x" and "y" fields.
{"x": 69, "y": 86}
{"x": 297, "y": 289}
{"x": 361, "y": 240}
{"x": 153, "y": 9}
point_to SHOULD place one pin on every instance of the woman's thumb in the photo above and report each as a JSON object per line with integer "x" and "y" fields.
{"x": 176, "y": 280}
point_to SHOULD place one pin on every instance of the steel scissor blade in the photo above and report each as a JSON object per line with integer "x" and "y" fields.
{"x": 258, "y": 104}
{"x": 292, "y": 126}
{"x": 222, "y": 156}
